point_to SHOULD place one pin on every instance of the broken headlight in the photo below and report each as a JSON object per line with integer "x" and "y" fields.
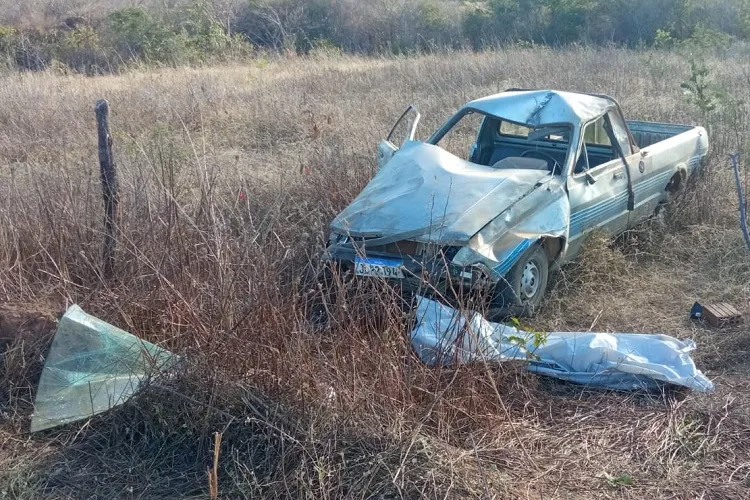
{"x": 337, "y": 238}
{"x": 449, "y": 252}
{"x": 475, "y": 274}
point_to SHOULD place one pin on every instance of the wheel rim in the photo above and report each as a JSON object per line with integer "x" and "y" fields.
{"x": 530, "y": 279}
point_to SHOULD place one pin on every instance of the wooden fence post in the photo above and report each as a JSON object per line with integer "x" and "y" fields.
{"x": 110, "y": 188}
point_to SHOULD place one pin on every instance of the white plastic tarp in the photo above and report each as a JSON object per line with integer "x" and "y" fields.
{"x": 92, "y": 366}
{"x": 623, "y": 361}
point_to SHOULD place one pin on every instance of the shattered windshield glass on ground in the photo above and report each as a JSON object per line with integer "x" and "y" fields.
{"x": 92, "y": 366}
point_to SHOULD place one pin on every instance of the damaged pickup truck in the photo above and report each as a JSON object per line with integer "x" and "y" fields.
{"x": 506, "y": 190}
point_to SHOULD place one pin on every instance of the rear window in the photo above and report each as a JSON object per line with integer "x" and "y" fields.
{"x": 596, "y": 135}
{"x": 510, "y": 129}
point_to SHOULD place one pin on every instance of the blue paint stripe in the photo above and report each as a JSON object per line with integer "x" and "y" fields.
{"x": 505, "y": 266}
{"x": 595, "y": 215}
{"x": 609, "y": 201}
{"x": 599, "y": 206}
{"x": 605, "y": 211}
{"x": 650, "y": 183}
{"x": 610, "y": 207}
{"x": 598, "y": 209}
{"x": 654, "y": 180}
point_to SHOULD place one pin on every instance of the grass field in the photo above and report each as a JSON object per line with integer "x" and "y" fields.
{"x": 229, "y": 178}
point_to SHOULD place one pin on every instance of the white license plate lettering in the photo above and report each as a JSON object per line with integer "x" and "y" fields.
{"x": 382, "y": 268}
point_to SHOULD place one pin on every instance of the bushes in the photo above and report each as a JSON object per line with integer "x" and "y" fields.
{"x": 8, "y": 37}
{"x": 629, "y": 22}
{"x": 187, "y": 35}
{"x": 183, "y": 35}
{"x": 477, "y": 25}
{"x": 136, "y": 34}
{"x": 194, "y": 31}
{"x": 378, "y": 26}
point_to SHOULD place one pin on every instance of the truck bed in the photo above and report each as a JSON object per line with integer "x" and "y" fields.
{"x": 647, "y": 133}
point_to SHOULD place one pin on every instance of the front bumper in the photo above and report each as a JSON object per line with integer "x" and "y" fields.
{"x": 421, "y": 275}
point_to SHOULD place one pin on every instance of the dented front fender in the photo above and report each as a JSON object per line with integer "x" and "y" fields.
{"x": 544, "y": 213}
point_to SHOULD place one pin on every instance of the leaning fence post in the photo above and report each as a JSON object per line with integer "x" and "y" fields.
{"x": 110, "y": 187}
{"x": 743, "y": 212}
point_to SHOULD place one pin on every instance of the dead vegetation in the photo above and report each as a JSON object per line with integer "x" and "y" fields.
{"x": 229, "y": 177}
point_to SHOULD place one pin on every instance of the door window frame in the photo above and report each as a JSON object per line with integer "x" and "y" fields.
{"x": 617, "y": 152}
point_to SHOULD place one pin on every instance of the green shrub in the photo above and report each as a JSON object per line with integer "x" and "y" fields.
{"x": 8, "y": 44}
{"x": 435, "y": 25}
{"x": 663, "y": 39}
{"x": 8, "y": 37}
{"x": 697, "y": 89}
{"x": 707, "y": 38}
{"x": 573, "y": 20}
{"x": 204, "y": 36}
{"x": 478, "y": 25}
{"x": 744, "y": 19}
{"x": 80, "y": 49}
{"x": 185, "y": 35}
{"x": 138, "y": 35}
{"x": 325, "y": 48}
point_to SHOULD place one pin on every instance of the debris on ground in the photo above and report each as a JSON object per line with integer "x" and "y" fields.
{"x": 92, "y": 367}
{"x": 696, "y": 312}
{"x": 622, "y": 361}
{"x": 721, "y": 315}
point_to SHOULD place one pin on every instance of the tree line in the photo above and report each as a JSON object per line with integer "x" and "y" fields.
{"x": 194, "y": 31}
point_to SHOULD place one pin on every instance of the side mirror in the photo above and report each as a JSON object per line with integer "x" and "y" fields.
{"x": 590, "y": 178}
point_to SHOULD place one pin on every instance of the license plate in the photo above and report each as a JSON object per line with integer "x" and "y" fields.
{"x": 382, "y": 268}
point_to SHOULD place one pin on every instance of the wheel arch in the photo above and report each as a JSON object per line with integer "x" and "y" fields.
{"x": 553, "y": 246}
{"x": 677, "y": 181}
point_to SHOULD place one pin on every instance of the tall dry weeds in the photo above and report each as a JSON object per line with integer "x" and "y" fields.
{"x": 229, "y": 177}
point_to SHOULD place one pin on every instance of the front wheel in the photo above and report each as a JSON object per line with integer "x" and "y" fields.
{"x": 523, "y": 289}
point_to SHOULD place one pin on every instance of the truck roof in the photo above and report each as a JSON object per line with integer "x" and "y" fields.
{"x": 543, "y": 107}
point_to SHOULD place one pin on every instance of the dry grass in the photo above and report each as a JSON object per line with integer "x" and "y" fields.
{"x": 227, "y": 191}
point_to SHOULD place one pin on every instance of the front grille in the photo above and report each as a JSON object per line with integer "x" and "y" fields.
{"x": 416, "y": 249}
{"x": 403, "y": 247}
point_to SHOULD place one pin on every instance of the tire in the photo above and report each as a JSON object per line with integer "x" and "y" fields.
{"x": 676, "y": 185}
{"x": 525, "y": 285}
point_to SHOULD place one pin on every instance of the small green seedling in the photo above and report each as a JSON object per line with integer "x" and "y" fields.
{"x": 623, "y": 479}
{"x": 539, "y": 339}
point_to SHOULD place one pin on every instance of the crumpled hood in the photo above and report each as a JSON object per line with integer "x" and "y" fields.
{"x": 426, "y": 193}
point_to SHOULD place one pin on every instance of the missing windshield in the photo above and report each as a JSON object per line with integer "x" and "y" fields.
{"x": 501, "y": 144}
